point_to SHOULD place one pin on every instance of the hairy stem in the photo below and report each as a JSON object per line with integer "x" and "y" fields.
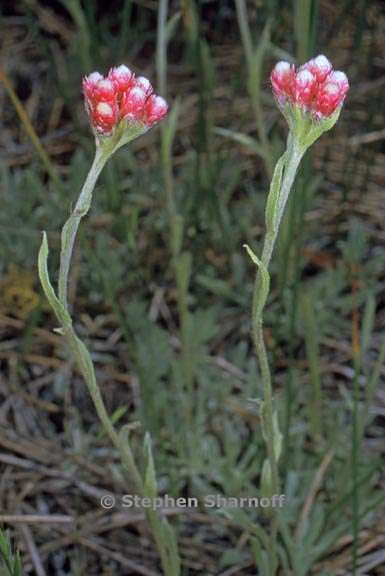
{"x": 294, "y": 155}
{"x": 70, "y": 228}
{"x": 88, "y": 373}
{"x": 83, "y": 358}
{"x": 78, "y": 349}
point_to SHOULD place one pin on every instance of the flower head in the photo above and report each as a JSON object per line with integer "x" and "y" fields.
{"x": 315, "y": 89}
{"x": 121, "y": 99}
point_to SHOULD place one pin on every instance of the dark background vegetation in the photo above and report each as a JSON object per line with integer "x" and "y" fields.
{"x": 169, "y": 331}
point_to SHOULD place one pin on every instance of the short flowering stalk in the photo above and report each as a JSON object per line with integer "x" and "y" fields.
{"x": 121, "y": 107}
{"x": 310, "y": 99}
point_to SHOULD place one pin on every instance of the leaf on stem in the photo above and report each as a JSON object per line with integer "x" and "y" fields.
{"x": 169, "y": 537}
{"x": 150, "y": 486}
{"x": 318, "y": 128}
{"x": 266, "y": 476}
{"x": 265, "y": 279}
{"x": 277, "y": 440}
{"x": 115, "y": 417}
{"x": 60, "y": 312}
{"x": 271, "y": 212}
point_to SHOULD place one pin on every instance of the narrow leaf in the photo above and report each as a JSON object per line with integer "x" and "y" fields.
{"x": 271, "y": 212}
{"x": 368, "y": 322}
{"x": 169, "y": 128}
{"x": 243, "y": 139}
{"x": 150, "y": 487}
{"x": 172, "y": 26}
{"x": 172, "y": 546}
{"x": 60, "y": 312}
{"x": 265, "y": 278}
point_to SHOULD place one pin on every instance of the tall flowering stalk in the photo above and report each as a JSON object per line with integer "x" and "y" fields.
{"x": 310, "y": 98}
{"x": 121, "y": 107}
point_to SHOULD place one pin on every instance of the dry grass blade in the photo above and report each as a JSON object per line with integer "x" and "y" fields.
{"x": 28, "y": 127}
{"x": 311, "y": 496}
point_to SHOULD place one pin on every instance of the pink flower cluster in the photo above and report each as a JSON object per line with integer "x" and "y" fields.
{"x": 315, "y": 87}
{"x": 121, "y": 95}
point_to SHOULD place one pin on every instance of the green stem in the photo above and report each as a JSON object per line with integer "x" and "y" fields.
{"x": 294, "y": 155}
{"x": 260, "y": 349}
{"x": 158, "y": 526}
{"x": 132, "y": 473}
{"x": 87, "y": 370}
{"x": 70, "y": 228}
